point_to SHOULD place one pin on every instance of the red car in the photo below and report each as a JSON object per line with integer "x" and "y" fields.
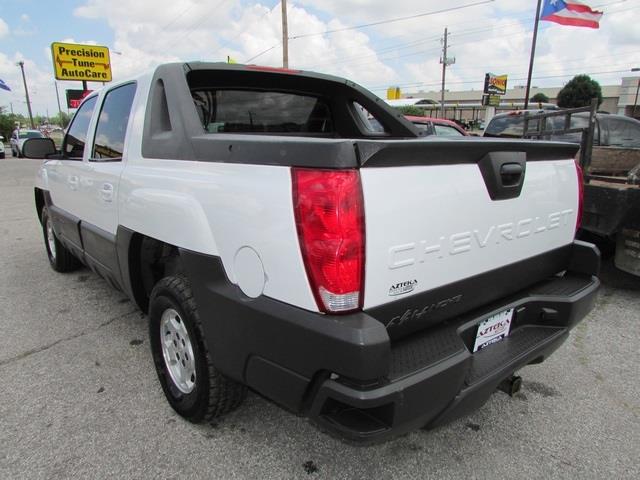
{"x": 437, "y": 126}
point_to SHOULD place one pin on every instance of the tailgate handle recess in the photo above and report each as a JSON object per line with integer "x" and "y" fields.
{"x": 503, "y": 173}
{"x": 510, "y": 173}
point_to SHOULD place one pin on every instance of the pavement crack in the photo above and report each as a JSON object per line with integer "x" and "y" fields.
{"x": 44, "y": 348}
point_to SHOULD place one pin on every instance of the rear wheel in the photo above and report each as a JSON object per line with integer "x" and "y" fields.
{"x": 60, "y": 258}
{"x": 192, "y": 385}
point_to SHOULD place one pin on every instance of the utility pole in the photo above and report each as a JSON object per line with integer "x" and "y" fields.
{"x": 635, "y": 102}
{"x": 285, "y": 36}
{"x": 26, "y": 93}
{"x": 445, "y": 61}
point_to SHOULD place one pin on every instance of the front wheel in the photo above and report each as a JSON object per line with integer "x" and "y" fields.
{"x": 60, "y": 258}
{"x": 191, "y": 384}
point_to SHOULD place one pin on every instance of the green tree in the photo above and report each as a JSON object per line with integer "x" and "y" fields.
{"x": 7, "y": 123}
{"x": 579, "y": 91}
{"x": 411, "y": 110}
{"x": 61, "y": 119}
{"x": 539, "y": 98}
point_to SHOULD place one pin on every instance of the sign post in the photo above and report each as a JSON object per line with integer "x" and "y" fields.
{"x": 494, "y": 87}
{"x": 84, "y": 63}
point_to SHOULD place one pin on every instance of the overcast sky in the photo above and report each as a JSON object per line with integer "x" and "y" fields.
{"x": 492, "y": 37}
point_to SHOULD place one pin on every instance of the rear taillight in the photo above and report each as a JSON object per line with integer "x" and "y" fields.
{"x": 329, "y": 216}
{"x": 580, "y": 195}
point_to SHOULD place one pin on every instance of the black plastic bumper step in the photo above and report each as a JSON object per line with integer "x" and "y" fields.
{"x": 509, "y": 350}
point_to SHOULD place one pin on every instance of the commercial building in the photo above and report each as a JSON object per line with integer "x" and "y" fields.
{"x": 466, "y": 105}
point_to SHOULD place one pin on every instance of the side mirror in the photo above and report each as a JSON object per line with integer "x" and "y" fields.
{"x": 38, "y": 148}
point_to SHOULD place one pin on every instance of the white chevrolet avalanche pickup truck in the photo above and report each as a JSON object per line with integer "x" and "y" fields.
{"x": 289, "y": 232}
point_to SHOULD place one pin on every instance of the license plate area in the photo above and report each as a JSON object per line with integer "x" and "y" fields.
{"x": 493, "y": 329}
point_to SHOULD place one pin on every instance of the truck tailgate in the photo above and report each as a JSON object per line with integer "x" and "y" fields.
{"x": 431, "y": 223}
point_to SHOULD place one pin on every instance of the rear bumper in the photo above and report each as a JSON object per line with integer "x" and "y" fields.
{"x": 434, "y": 377}
{"x": 347, "y": 375}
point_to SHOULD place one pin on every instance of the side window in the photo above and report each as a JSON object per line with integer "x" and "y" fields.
{"x": 74, "y": 141}
{"x": 624, "y": 133}
{"x": 582, "y": 121}
{"x": 368, "y": 121}
{"x": 425, "y": 128}
{"x": 112, "y": 123}
{"x": 446, "y": 131}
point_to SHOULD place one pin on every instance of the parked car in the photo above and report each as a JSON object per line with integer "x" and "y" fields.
{"x": 2, "y": 144}
{"x": 610, "y": 130}
{"x": 370, "y": 280}
{"x": 18, "y": 138}
{"x": 437, "y": 126}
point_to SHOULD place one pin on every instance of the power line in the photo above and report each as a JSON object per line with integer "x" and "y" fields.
{"x": 262, "y": 52}
{"x": 537, "y": 77}
{"x": 546, "y": 62}
{"x": 458, "y": 33}
{"x": 251, "y": 24}
{"x": 175, "y": 19}
{"x": 339, "y": 61}
{"x": 203, "y": 19}
{"x": 372, "y": 24}
{"x": 392, "y": 20}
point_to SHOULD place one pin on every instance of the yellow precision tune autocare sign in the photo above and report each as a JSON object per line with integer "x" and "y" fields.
{"x": 81, "y": 62}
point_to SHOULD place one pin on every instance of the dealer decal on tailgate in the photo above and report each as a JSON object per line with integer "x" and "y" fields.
{"x": 493, "y": 329}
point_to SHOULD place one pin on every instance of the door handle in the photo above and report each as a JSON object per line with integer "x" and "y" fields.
{"x": 73, "y": 181}
{"x": 106, "y": 192}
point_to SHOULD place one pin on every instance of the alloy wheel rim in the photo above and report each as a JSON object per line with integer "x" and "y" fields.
{"x": 51, "y": 240}
{"x": 177, "y": 351}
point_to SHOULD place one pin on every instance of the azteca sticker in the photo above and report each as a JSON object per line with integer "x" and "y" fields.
{"x": 493, "y": 329}
{"x": 403, "y": 287}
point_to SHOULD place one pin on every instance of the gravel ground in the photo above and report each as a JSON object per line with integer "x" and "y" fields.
{"x": 79, "y": 395}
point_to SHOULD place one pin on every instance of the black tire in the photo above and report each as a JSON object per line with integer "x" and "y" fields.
{"x": 213, "y": 394}
{"x": 61, "y": 260}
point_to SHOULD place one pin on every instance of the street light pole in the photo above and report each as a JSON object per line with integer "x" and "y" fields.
{"x": 26, "y": 93}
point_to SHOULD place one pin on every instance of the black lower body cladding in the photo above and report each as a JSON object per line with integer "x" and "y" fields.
{"x": 347, "y": 373}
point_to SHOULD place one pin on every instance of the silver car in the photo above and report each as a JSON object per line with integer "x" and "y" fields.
{"x": 19, "y": 136}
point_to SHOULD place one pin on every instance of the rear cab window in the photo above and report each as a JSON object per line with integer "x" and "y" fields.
{"x": 506, "y": 126}
{"x": 511, "y": 125}
{"x": 250, "y": 111}
{"x": 75, "y": 140}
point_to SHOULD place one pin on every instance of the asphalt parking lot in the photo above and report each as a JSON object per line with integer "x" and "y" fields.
{"x": 79, "y": 395}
